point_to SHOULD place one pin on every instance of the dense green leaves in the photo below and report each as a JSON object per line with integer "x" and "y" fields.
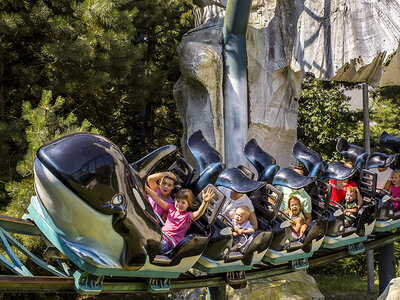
{"x": 324, "y": 116}
{"x": 384, "y": 113}
{"x": 44, "y": 125}
{"x": 114, "y": 63}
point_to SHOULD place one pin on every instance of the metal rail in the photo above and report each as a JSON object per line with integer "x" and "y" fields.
{"x": 50, "y": 284}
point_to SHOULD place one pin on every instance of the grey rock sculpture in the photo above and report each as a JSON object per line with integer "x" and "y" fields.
{"x": 346, "y": 40}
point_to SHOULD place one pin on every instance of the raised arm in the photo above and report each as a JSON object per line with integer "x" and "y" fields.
{"x": 153, "y": 178}
{"x": 155, "y": 197}
{"x": 206, "y": 198}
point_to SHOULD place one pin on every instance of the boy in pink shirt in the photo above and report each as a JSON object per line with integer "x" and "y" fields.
{"x": 178, "y": 218}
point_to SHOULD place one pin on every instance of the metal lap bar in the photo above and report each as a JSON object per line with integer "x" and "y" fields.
{"x": 183, "y": 171}
{"x": 17, "y": 266}
{"x": 276, "y": 195}
{"x": 270, "y": 202}
{"x": 368, "y": 183}
{"x": 214, "y": 205}
{"x": 323, "y": 195}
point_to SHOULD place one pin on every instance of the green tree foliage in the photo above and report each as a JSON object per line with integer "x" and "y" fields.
{"x": 384, "y": 113}
{"x": 114, "y": 63}
{"x": 324, "y": 116}
{"x": 44, "y": 125}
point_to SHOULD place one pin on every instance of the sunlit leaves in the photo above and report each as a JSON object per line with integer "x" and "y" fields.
{"x": 324, "y": 116}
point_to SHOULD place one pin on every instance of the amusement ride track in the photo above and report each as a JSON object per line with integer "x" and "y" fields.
{"x": 48, "y": 284}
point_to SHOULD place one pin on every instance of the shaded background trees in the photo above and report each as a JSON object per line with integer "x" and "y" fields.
{"x": 113, "y": 63}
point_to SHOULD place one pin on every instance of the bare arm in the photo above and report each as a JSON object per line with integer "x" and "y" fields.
{"x": 350, "y": 210}
{"x": 153, "y": 178}
{"x": 235, "y": 231}
{"x": 253, "y": 220}
{"x": 299, "y": 223}
{"x": 249, "y": 231}
{"x": 387, "y": 185}
{"x": 155, "y": 197}
{"x": 308, "y": 218}
{"x": 206, "y": 198}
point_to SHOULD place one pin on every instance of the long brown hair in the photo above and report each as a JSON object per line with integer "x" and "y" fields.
{"x": 185, "y": 194}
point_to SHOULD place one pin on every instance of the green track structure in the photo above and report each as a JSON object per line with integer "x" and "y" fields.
{"x": 63, "y": 281}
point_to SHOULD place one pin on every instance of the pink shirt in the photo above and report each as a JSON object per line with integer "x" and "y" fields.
{"x": 159, "y": 210}
{"x": 395, "y": 191}
{"x": 177, "y": 224}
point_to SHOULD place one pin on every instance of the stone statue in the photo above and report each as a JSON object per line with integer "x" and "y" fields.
{"x": 336, "y": 40}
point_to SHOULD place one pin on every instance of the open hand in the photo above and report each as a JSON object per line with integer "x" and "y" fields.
{"x": 207, "y": 195}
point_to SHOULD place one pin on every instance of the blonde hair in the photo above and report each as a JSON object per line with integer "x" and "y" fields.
{"x": 350, "y": 163}
{"x": 396, "y": 171}
{"x": 185, "y": 194}
{"x": 245, "y": 209}
{"x": 352, "y": 190}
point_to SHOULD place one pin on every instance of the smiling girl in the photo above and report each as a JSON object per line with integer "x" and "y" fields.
{"x": 178, "y": 218}
{"x": 395, "y": 189}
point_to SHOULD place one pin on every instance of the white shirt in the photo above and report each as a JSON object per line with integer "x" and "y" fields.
{"x": 246, "y": 224}
{"x": 383, "y": 177}
{"x": 230, "y": 205}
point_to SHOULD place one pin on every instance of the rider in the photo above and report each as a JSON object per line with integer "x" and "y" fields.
{"x": 297, "y": 222}
{"x": 241, "y": 226}
{"x": 301, "y": 194}
{"x": 162, "y": 183}
{"x": 233, "y": 201}
{"x": 339, "y": 188}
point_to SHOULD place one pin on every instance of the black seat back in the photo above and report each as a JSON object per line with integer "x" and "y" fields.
{"x": 320, "y": 193}
{"x": 309, "y": 158}
{"x": 263, "y": 162}
{"x": 367, "y": 183}
{"x": 214, "y": 206}
{"x": 246, "y": 171}
{"x": 183, "y": 171}
{"x": 393, "y": 143}
{"x": 354, "y": 153}
{"x": 267, "y": 201}
{"x": 380, "y": 160}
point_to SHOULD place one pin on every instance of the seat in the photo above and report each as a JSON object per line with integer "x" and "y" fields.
{"x": 198, "y": 234}
{"x": 263, "y": 162}
{"x": 354, "y": 153}
{"x": 393, "y": 143}
{"x": 183, "y": 171}
{"x": 309, "y": 158}
{"x": 217, "y": 257}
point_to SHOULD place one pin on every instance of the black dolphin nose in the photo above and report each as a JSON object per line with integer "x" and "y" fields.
{"x": 95, "y": 170}
{"x": 89, "y": 164}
